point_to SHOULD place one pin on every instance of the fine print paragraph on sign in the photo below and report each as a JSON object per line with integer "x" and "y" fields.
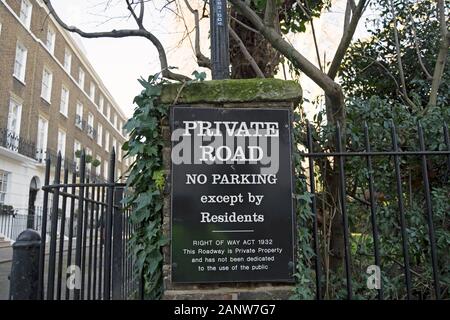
{"x": 232, "y": 207}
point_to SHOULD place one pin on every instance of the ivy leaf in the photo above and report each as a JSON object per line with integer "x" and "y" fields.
{"x": 199, "y": 76}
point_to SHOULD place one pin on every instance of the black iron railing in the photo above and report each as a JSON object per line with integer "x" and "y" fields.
{"x": 84, "y": 126}
{"x": 12, "y": 224}
{"x": 366, "y": 159}
{"x": 98, "y": 248}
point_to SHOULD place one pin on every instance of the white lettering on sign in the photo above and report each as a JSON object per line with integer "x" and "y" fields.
{"x": 229, "y": 142}
{"x": 219, "y": 13}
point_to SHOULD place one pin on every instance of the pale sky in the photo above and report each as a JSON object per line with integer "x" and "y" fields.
{"x": 120, "y": 62}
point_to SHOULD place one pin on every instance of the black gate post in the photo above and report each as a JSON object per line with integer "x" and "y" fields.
{"x": 108, "y": 227}
{"x": 117, "y": 250}
{"x": 25, "y": 266}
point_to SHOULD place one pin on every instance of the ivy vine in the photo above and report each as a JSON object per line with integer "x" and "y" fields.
{"x": 146, "y": 181}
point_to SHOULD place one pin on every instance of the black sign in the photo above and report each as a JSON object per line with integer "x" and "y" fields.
{"x": 232, "y": 206}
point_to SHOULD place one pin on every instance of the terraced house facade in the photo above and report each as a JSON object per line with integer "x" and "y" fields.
{"x": 51, "y": 100}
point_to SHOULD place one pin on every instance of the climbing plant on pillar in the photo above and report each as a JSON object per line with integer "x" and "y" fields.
{"x": 146, "y": 182}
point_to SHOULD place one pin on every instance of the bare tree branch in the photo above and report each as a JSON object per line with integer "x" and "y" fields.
{"x": 247, "y": 54}
{"x": 399, "y": 57}
{"x": 352, "y": 5}
{"x": 397, "y": 48}
{"x": 270, "y": 13}
{"x": 375, "y": 61}
{"x": 202, "y": 60}
{"x": 346, "y": 39}
{"x": 141, "y": 13}
{"x": 442, "y": 55}
{"x": 244, "y": 25}
{"x": 122, "y": 34}
{"x": 316, "y": 45}
{"x": 419, "y": 56}
{"x": 133, "y": 13}
{"x": 348, "y": 12}
{"x": 277, "y": 41}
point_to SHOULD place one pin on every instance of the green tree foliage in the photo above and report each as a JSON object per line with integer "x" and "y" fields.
{"x": 371, "y": 80}
{"x": 371, "y": 65}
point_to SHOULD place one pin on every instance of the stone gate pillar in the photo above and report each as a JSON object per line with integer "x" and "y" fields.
{"x": 250, "y": 218}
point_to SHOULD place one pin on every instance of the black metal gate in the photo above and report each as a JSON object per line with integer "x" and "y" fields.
{"x": 85, "y": 229}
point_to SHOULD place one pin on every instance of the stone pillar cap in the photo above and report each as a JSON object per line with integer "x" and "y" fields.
{"x": 232, "y": 91}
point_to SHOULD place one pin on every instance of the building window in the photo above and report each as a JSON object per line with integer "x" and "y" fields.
{"x": 119, "y": 153}
{"x": 20, "y": 62}
{"x": 79, "y": 116}
{"x": 47, "y": 79}
{"x": 120, "y": 128}
{"x": 25, "y": 13}
{"x": 3, "y": 185}
{"x": 99, "y": 134}
{"x": 67, "y": 60}
{"x": 81, "y": 78}
{"x": 115, "y": 121}
{"x": 92, "y": 92}
{"x": 62, "y": 142}
{"x": 42, "y": 138}
{"x": 108, "y": 112}
{"x": 77, "y": 153}
{"x": 101, "y": 102}
{"x": 114, "y": 144}
{"x": 89, "y": 155}
{"x": 107, "y": 141}
{"x": 90, "y": 128}
{"x": 97, "y": 168}
{"x": 50, "y": 40}
{"x": 64, "y": 106}
{"x": 105, "y": 169}
{"x": 14, "y": 118}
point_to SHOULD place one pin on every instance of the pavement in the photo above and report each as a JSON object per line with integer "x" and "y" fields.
{"x": 5, "y": 269}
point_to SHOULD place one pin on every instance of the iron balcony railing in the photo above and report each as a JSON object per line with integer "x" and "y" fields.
{"x": 84, "y": 126}
{"x": 91, "y": 132}
{"x": 12, "y": 141}
{"x": 79, "y": 121}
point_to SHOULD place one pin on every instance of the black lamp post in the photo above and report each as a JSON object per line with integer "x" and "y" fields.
{"x": 220, "y": 55}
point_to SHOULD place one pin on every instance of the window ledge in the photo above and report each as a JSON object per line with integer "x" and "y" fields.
{"x": 46, "y": 100}
{"x": 22, "y": 81}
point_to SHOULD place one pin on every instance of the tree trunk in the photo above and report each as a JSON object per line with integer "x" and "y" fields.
{"x": 265, "y": 56}
{"x": 335, "y": 107}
